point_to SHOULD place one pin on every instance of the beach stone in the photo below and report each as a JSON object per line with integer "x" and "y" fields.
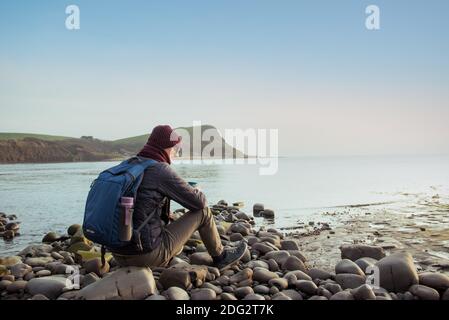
{"x": 182, "y": 276}
{"x": 94, "y": 265}
{"x": 176, "y": 293}
{"x": 357, "y": 251}
{"x": 253, "y": 296}
{"x": 272, "y": 265}
{"x": 10, "y": 261}
{"x": 267, "y": 213}
{"x": 19, "y": 270}
{"x": 50, "y": 237}
{"x": 8, "y": 234}
{"x": 280, "y": 296}
{"x": 298, "y": 254}
{"x": 350, "y": 280}
{"x": 292, "y": 294}
{"x": 29, "y": 276}
{"x": 73, "y": 229}
{"x": 397, "y": 272}
{"x": 90, "y": 278}
{"x": 51, "y": 286}
{"x": 201, "y": 258}
{"x": 424, "y": 292}
{"x": 240, "y": 276}
{"x": 293, "y": 263}
{"x": 261, "y": 289}
{"x": 342, "y": 295}
{"x": 12, "y": 226}
{"x": 17, "y": 286}
{"x": 79, "y": 246}
{"x": 39, "y": 297}
{"x": 57, "y": 256}
{"x": 4, "y": 284}
{"x": 438, "y": 281}
{"x": 324, "y": 292}
{"x": 365, "y": 262}
{"x": 262, "y": 275}
{"x": 278, "y": 256}
{"x": 348, "y": 266}
{"x": 43, "y": 273}
{"x": 315, "y": 273}
{"x": 9, "y": 277}
{"x": 3, "y": 270}
{"x": 332, "y": 287}
{"x": 235, "y": 237}
{"x": 203, "y": 294}
{"x": 263, "y": 248}
{"x": 127, "y": 283}
{"x": 156, "y": 297}
{"x": 280, "y": 283}
{"x": 306, "y": 286}
{"x": 227, "y": 296}
{"x": 257, "y": 209}
{"x": 36, "y": 250}
{"x": 38, "y": 261}
{"x": 242, "y": 215}
{"x": 242, "y": 292}
{"x": 257, "y": 264}
{"x": 246, "y": 256}
{"x": 289, "y": 245}
{"x": 364, "y": 292}
{"x": 445, "y": 295}
{"x": 239, "y": 228}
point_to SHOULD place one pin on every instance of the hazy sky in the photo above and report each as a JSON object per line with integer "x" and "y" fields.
{"x": 308, "y": 68}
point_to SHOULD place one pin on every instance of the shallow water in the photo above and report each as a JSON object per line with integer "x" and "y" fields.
{"x": 49, "y": 197}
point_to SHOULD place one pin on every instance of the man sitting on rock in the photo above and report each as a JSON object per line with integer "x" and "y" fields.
{"x": 161, "y": 238}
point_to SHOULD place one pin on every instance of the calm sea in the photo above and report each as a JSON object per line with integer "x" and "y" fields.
{"x": 50, "y": 197}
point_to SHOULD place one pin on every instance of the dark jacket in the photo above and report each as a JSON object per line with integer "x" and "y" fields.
{"x": 160, "y": 181}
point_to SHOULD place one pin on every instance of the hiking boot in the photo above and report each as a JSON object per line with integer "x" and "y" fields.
{"x": 230, "y": 256}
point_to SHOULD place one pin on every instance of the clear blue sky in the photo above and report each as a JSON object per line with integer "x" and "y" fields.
{"x": 308, "y": 68}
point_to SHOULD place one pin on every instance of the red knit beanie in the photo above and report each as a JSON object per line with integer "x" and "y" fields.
{"x": 163, "y": 137}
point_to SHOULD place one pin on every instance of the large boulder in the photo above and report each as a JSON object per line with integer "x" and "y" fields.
{"x": 357, "y": 251}
{"x": 182, "y": 276}
{"x": 129, "y": 283}
{"x": 51, "y": 286}
{"x": 397, "y": 272}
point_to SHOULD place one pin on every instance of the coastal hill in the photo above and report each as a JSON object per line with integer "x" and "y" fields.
{"x": 37, "y": 148}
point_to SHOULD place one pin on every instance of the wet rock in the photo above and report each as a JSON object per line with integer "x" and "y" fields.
{"x": 349, "y": 280}
{"x": 357, "y": 251}
{"x": 347, "y": 266}
{"x": 51, "y": 286}
{"x": 128, "y": 283}
{"x": 262, "y": 275}
{"x": 364, "y": 292}
{"x": 257, "y": 209}
{"x": 319, "y": 274}
{"x": 438, "y": 281}
{"x": 16, "y": 286}
{"x": 50, "y": 237}
{"x": 242, "y": 292}
{"x": 8, "y": 234}
{"x": 397, "y": 272}
{"x": 227, "y": 296}
{"x": 242, "y": 215}
{"x": 239, "y": 228}
{"x": 94, "y": 265}
{"x": 267, "y": 213}
{"x": 203, "y": 294}
{"x": 73, "y": 229}
{"x": 424, "y": 292}
{"x": 365, "y": 262}
{"x": 201, "y": 258}
{"x": 176, "y": 293}
{"x": 253, "y": 296}
{"x": 38, "y": 261}
{"x": 20, "y": 270}
{"x": 306, "y": 286}
{"x": 293, "y": 263}
{"x": 12, "y": 226}
{"x": 289, "y": 245}
{"x": 342, "y": 295}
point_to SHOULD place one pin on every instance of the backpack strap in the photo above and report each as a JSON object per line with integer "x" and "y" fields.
{"x": 136, "y": 232}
